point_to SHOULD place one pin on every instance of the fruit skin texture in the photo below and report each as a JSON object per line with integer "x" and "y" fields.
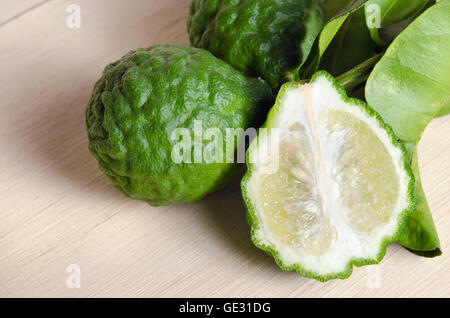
{"x": 266, "y": 38}
{"x": 144, "y": 96}
{"x": 251, "y": 207}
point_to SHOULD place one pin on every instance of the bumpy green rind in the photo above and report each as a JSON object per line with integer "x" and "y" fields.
{"x": 251, "y": 208}
{"x": 266, "y": 38}
{"x": 148, "y": 93}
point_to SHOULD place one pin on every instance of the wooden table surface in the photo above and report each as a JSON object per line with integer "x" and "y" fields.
{"x": 58, "y": 209}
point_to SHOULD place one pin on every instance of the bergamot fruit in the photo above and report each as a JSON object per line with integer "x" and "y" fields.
{"x": 266, "y": 38}
{"x": 335, "y": 186}
{"x": 143, "y": 98}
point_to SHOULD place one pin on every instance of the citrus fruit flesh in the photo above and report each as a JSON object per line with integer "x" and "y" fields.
{"x": 149, "y": 94}
{"x": 341, "y": 188}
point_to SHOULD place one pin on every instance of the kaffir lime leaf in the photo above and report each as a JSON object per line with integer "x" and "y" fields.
{"x": 342, "y": 187}
{"x": 266, "y": 38}
{"x": 149, "y": 93}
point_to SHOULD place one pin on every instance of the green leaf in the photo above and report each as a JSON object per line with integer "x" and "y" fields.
{"x": 313, "y": 25}
{"x": 411, "y": 83}
{"x": 445, "y": 110}
{"x": 334, "y": 7}
{"x": 382, "y": 13}
{"x": 408, "y": 87}
{"x": 419, "y": 234}
{"x": 326, "y": 36}
{"x": 350, "y": 46}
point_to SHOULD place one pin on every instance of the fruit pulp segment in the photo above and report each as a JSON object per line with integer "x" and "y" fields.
{"x": 340, "y": 177}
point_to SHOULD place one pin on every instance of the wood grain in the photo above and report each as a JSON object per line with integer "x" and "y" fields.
{"x": 57, "y": 208}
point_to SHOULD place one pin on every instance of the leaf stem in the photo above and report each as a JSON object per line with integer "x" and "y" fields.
{"x": 359, "y": 74}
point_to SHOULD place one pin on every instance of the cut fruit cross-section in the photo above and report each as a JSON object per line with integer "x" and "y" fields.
{"x": 342, "y": 186}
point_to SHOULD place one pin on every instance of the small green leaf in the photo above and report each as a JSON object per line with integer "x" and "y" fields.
{"x": 350, "y": 46}
{"x": 326, "y": 36}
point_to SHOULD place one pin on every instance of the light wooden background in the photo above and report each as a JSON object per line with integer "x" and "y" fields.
{"x": 57, "y": 208}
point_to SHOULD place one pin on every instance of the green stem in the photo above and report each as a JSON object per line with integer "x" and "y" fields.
{"x": 359, "y": 74}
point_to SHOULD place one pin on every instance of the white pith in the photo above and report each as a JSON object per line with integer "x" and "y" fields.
{"x": 304, "y": 104}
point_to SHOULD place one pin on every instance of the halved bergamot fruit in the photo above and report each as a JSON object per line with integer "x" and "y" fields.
{"x": 328, "y": 184}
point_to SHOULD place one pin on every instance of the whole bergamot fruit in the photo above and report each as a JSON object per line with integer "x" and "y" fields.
{"x": 266, "y": 38}
{"x": 148, "y": 100}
